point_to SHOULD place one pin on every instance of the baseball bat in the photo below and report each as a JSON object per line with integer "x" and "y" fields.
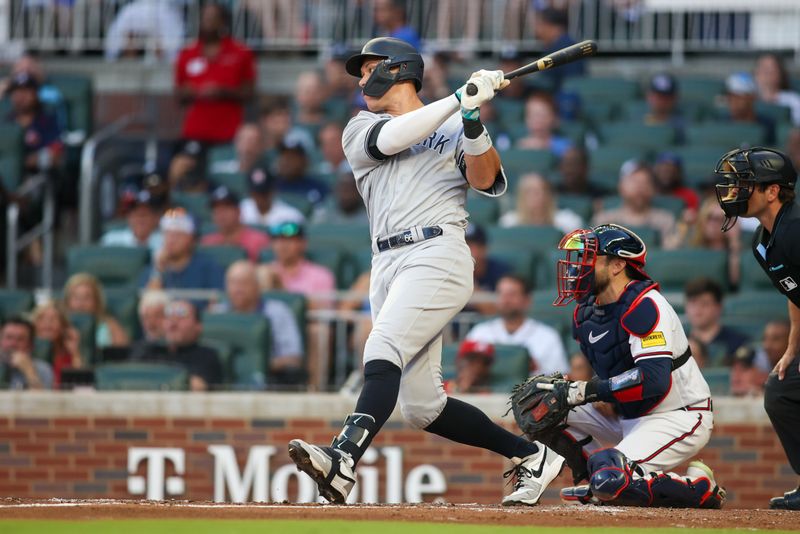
{"x": 551, "y": 61}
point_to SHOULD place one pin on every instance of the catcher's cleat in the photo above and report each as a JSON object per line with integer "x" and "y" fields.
{"x": 579, "y": 495}
{"x": 717, "y": 494}
{"x": 330, "y": 468}
{"x": 789, "y": 501}
{"x": 532, "y": 475}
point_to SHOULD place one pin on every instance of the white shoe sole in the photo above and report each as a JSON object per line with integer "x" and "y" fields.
{"x": 305, "y": 463}
{"x": 534, "y": 502}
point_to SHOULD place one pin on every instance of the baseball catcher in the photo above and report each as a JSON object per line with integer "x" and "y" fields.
{"x": 640, "y": 355}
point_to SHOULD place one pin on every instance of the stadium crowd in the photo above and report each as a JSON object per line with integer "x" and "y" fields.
{"x": 258, "y": 220}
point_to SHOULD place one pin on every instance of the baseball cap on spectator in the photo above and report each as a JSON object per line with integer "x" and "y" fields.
{"x": 475, "y": 348}
{"x": 132, "y": 197}
{"x": 178, "y": 220}
{"x": 475, "y": 234}
{"x": 554, "y": 16}
{"x": 222, "y": 195}
{"x": 260, "y": 180}
{"x": 744, "y": 355}
{"x": 286, "y": 229}
{"x": 670, "y": 157}
{"x": 664, "y": 84}
{"x": 293, "y": 144}
{"x": 740, "y": 83}
{"x": 22, "y": 80}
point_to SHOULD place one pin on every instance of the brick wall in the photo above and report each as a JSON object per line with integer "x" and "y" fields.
{"x": 86, "y": 457}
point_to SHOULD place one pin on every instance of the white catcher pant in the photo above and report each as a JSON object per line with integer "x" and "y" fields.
{"x": 657, "y": 442}
{"x": 415, "y": 291}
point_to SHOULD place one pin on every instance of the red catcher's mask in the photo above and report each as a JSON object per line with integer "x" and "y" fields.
{"x": 576, "y": 270}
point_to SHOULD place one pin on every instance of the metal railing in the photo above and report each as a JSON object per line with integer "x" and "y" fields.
{"x": 34, "y": 188}
{"x": 665, "y": 26}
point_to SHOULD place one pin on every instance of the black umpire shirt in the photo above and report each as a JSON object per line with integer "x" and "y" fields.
{"x": 778, "y": 253}
{"x": 197, "y": 359}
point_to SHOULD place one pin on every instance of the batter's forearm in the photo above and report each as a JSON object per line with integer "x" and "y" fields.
{"x": 482, "y": 170}
{"x": 410, "y": 128}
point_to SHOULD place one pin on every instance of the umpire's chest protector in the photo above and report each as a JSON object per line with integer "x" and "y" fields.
{"x": 599, "y": 331}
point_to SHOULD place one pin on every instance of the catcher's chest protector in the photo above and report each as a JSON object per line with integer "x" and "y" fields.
{"x": 606, "y": 344}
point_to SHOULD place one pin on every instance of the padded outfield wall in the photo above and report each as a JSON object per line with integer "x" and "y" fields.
{"x": 232, "y": 447}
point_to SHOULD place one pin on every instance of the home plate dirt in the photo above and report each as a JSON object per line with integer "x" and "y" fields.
{"x": 462, "y": 513}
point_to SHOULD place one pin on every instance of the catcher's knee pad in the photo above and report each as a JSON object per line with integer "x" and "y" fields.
{"x": 609, "y": 475}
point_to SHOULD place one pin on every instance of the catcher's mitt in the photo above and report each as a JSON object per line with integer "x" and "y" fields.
{"x": 540, "y": 411}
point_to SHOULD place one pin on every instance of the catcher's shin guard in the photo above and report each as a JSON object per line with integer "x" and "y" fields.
{"x": 612, "y": 479}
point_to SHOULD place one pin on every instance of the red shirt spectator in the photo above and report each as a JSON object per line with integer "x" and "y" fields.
{"x": 214, "y": 76}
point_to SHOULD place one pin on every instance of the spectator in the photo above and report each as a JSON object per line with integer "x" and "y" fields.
{"x": 704, "y": 314}
{"x": 741, "y": 93}
{"x": 182, "y": 330}
{"x": 792, "y": 145}
{"x": 705, "y": 233}
{"x": 296, "y": 272}
{"x": 573, "y": 174}
{"x": 177, "y": 265}
{"x": 145, "y": 27}
{"x": 187, "y": 170}
{"x": 18, "y": 368}
{"x": 51, "y": 324}
{"x": 747, "y": 380}
{"x": 536, "y": 205}
{"x": 488, "y": 271}
{"x": 774, "y": 86}
{"x": 142, "y": 213}
{"x": 243, "y": 296}
{"x": 83, "y": 294}
{"x": 42, "y": 135}
{"x": 774, "y": 342}
{"x": 390, "y": 18}
{"x": 151, "y": 314}
{"x": 214, "y": 77}
{"x": 249, "y": 144}
{"x": 330, "y": 145}
{"x": 699, "y": 352}
{"x": 662, "y": 105}
{"x": 49, "y": 95}
{"x": 510, "y": 59}
{"x": 276, "y": 123}
{"x": 262, "y": 207}
{"x": 226, "y": 215}
{"x": 309, "y": 98}
{"x": 550, "y": 27}
{"x": 579, "y": 367}
{"x": 473, "y": 368}
{"x": 512, "y": 327}
{"x": 338, "y": 84}
{"x": 436, "y": 84}
{"x": 668, "y": 172}
{"x": 637, "y": 189}
{"x": 292, "y": 174}
{"x": 345, "y": 206}
{"x": 541, "y": 122}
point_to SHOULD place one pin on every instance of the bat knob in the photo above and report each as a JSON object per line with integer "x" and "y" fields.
{"x": 472, "y": 90}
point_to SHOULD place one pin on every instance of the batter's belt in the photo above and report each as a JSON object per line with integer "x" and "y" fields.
{"x": 408, "y": 237}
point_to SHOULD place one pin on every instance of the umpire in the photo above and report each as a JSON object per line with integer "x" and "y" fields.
{"x": 759, "y": 182}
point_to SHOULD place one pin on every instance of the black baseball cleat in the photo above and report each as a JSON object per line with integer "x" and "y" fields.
{"x": 789, "y": 501}
{"x": 330, "y": 468}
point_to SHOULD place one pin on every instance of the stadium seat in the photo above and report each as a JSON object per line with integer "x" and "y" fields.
{"x": 763, "y": 305}
{"x": 779, "y": 114}
{"x": 517, "y": 161}
{"x": 224, "y": 255}
{"x": 597, "y": 90}
{"x": 510, "y": 367}
{"x": 534, "y": 238}
{"x": 580, "y": 204}
{"x": 542, "y": 309}
{"x": 637, "y": 110}
{"x": 194, "y": 203}
{"x": 637, "y": 135}
{"x": 753, "y": 276}
{"x": 752, "y": 327}
{"x": 86, "y": 326}
{"x": 650, "y": 236}
{"x": 719, "y": 379}
{"x": 79, "y": 98}
{"x": 782, "y": 133}
{"x": 482, "y": 210}
{"x": 350, "y": 237}
{"x": 122, "y": 304}
{"x": 672, "y": 204}
{"x": 724, "y": 133}
{"x": 510, "y": 112}
{"x": 235, "y": 181}
{"x": 248, "y": 336}
{"x": 521, "y": 260}
{"x": 11, "y": 156}
{"x": 113, "y": 266}
{"x": 449, "y": 354}
{"x": 221, "y": 159}
{"x": 673, "y": 268}
{"x": 298, "y": 201}
{"x": 135, "y": 376}
{"x": 699, "y": 162}
{"x": 607, "y": 161}
{"x": 14, "y": 302}
{"x": 699, "y": 89}
{"x": 43, "y": 350}
{"x": 574, "y": 130}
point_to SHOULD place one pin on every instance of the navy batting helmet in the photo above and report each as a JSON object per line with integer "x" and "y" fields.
{"x": 396, "y": 54}
{"x": 740, "y": 170}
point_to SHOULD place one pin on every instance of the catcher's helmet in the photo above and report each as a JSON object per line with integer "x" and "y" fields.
{"x": 740, "y": 170}
{"x": 576, "y": 270}
{"x": 396, "y": 54}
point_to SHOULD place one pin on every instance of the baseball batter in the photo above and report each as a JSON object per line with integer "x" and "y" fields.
{"x": 636, "y": 345}
{"x": 413, "y": 164}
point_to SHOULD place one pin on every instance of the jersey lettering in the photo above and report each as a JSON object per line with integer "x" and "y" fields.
{"x": 656, "y": 339}
{"x": 432, "y": 143}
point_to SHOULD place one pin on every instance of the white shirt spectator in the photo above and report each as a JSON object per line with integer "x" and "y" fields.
{"x": 542, "y": 341}
{"x": 280, "y": 212}
{"x": 157, "y": 24}
{"x": 565, "y": 220}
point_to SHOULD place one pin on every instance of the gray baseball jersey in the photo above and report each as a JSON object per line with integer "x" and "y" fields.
{"x": 424, "y": 185}
{"x": 416, "y": 290}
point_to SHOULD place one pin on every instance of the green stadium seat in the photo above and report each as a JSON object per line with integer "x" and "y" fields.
{"x": 517, "y": 161}
{"x": 221, "y": 159}
{"x": 482, "y": 210}
{"x": 235, "y": 181}
{"x": 122, "y": 303}
{"x": 638, "y": 110}
{"x": 699, "y": 162}
{"x": 753, "y": 276}
{"x": 672, "y": 204}
{"x": 752, "y": 327}
{"x": 449, "y": 354}
{"x": 782, "y": 134}
{"x": 43, "y": 350}
{"x": 11, "y": 156}
{"x": 574, "y": 130}
{"x": 778, "y": 114}
{"x": 724, "y": 133}
{"x": 650, "y": 236}
{"x": 699, "y": 89}
{"x": 224, "y": 255}
{"x": 248, "y": 336}
{"x": 113, "y": 266}
{"x": 86, "y": 326}
{"x": 510, "y": 367}
{"x": 522, "y": 261}
{"x": 194, "y": 203}
{"x": 637, "y": 135}
{"x": 719, "y": 379}
{"x": 350, "y": 237}
{"x": 78, "y": 95}
{"x": 600, "y": 112}
{"x": 606, "y": 163}
{"x": 534, "y": 238}
{"x": 673, "y": 268}
{"x": 596, "y": 90}
{"x": 135, "y": 376}
{"x": 510, "y": 112}
{"x": 580, "y": 204}
{"x": 763, "y": 305}
{"x": 15, "y": 302}
{"x": 542, "y": 309}
{"x": 299, "y": 202}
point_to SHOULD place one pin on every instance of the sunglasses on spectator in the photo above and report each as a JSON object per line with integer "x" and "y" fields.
{"x": 290, "y": 229}
{"x": 177, "y": 310}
